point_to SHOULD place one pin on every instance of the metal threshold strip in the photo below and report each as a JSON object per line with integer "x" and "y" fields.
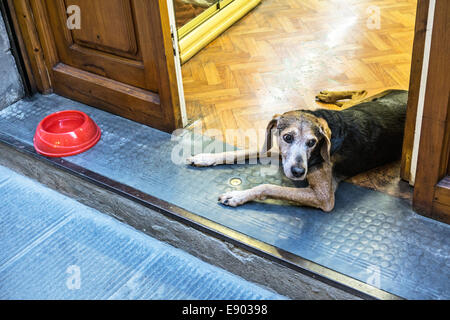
{"x": 257, "y": 247}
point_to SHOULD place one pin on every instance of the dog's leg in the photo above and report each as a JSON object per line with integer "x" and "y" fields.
{"x": 319, "y": 194}
{"x": 333, "y": 97}
{"x": 377, "y": 96}
{"x": 214, "y": 159}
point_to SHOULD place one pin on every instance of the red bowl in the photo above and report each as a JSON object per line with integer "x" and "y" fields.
{"x": 66, "y": 133}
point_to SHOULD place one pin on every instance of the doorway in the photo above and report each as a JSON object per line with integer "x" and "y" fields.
{"x": 283, "y": 53}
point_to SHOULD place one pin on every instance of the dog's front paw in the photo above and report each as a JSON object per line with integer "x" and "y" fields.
{"x": 235, "y": 198}
{"x": 202, "y": 160}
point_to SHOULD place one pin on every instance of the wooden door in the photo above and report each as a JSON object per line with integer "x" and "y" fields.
{"x": 432, "y": 183}
{"x": 121, "y": 59}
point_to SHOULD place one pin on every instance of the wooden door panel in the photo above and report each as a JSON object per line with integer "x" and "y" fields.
{"x": 122, "y": 99}
{"x": 109, "y": 28}
{"x": 80, "y": 48}
{"x": 121, "y": 60}
{"x": 119, "y": 69}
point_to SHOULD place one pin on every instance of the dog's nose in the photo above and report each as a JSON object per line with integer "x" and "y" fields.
{"x": 297, "y": 171}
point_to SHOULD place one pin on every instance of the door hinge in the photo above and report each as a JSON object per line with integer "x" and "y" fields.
{"x": 174, "y": 44}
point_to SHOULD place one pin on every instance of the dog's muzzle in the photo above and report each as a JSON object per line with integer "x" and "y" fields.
{"x": 298, "y": 172}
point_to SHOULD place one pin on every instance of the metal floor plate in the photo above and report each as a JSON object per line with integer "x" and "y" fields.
{"x": 47, "y": 239}
{"x": 370, "y": 236}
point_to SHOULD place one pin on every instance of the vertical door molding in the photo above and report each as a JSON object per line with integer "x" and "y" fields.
{"x": 414, "y": 87}
{"x": 432, "y": 192}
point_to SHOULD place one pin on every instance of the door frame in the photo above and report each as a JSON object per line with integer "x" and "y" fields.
{"x": 177, "y": 61}
{"x": 425, "y": 157}
{"x": 432, "y": 180}
{"x": 417, "y": 61}
{"x": 39, "y": 55}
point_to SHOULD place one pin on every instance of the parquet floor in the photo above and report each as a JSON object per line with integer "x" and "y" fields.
{"x": 279, "y": 56}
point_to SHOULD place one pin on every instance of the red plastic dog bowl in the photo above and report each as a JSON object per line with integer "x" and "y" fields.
{"x": 66, "y": 133}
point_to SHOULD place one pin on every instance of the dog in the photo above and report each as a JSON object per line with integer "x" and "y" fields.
{"x": 324, "y": 147}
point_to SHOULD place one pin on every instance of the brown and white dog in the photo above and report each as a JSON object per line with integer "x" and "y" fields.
{"x": 324, "y": 146}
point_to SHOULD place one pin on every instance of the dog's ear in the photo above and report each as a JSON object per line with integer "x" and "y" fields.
{"x": 325, "y": 152}
{"x": 269, "y": 133}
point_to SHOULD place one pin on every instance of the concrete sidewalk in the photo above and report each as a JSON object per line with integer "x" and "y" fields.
{"x": 52, "y": 247}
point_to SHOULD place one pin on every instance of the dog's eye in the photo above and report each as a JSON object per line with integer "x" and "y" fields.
{"x": 288, "y": 138}
{"x": 311, "y": 143}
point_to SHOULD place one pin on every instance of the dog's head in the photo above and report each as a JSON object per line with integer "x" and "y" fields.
{"x": 302, "y": 138}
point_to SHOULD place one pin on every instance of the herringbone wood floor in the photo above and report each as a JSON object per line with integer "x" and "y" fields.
{"x": 284, "y": 52}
